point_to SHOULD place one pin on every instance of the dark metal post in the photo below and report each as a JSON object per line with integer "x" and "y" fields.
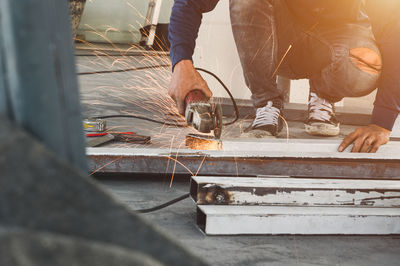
{"x": 38, "y": 84}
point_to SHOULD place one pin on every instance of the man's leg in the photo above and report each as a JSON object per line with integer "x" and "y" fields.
{"x": 253, "y": 28}
{"x": 355, "y": 67}
{"x": 353, "y": 72}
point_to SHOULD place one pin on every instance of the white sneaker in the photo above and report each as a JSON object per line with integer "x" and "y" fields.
{"x": 321, "y": 120}
{"x": 268, "y": 121}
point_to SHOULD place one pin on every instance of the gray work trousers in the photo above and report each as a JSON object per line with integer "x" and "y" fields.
{"x": 270, "y": 42}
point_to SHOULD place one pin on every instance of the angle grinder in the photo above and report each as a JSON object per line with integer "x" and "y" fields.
{"x": 203, "y": 115}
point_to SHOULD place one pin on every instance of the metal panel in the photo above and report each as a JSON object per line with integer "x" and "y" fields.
{"x": 255, "y": 220}
{"x": 294, "y": 191}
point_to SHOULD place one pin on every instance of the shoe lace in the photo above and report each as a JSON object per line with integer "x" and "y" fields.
{"x": 319, "y": 109}
{"x": 266, "y": 115}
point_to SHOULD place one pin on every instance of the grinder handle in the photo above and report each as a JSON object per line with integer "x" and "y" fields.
{"x": 195, "y": 96}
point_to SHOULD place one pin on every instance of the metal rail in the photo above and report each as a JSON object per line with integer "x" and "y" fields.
{"x": 382, "y": 165}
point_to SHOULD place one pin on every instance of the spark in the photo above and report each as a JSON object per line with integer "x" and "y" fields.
{"x": 107, "y": 164}
{"x": 281, "y": 61}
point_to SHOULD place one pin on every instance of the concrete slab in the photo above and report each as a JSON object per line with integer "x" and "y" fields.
{"x": 180, "y": 221}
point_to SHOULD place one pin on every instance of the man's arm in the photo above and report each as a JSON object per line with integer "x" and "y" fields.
{"x": 183, "y": 30}
{"x": 386, "y": 25}
{"x": 184, "y": 26}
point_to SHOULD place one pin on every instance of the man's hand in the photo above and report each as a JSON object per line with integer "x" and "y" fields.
{"x": 185, "y": 79}
{"x": 366, "y": 139}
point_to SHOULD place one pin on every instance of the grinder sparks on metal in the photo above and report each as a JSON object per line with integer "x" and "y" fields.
{"x": 203, "y": 142}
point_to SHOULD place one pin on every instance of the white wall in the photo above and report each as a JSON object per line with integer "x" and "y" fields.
{"x": 127, "y": 16}
{"x": 216, "y": 51}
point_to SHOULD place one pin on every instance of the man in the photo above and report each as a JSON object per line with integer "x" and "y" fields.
{"x": 329, "y": 42}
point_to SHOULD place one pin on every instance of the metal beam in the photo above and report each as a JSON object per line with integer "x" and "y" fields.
{"x": 38, "y": 84}
{"x": 271, "y": 161}
{"x": 294, "y": 191}
{"x": 255, "y": 220}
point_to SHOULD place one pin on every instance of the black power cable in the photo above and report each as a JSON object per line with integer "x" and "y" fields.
{"x": 164, "y": 205}
{"x": 229, "y": 93}
{"x": 138, "y": 117}
{"x": 161, "y": 122}
{"x": 121, "y": 70}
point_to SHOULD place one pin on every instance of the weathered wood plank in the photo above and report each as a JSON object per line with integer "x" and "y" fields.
{"x": 295, "y": 191}
{"x": 256, "y": 220}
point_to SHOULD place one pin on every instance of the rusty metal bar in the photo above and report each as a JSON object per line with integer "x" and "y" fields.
{"x": 294, "y": 191}
{"x": 251, "y": 163}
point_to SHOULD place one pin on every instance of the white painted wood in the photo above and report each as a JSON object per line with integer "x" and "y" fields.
{"x": 300, "y": 191}
{"x": 256, "y": 220}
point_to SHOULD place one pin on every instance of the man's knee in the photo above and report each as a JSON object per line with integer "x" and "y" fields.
{"x": 368, "y": 63}
{"x": 366, "y": 59}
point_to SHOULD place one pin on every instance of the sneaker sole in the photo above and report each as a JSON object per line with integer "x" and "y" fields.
{"x": 322, "y": 129}
{"x": 257, "y": 134}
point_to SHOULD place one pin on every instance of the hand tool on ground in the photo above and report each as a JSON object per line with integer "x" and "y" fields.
{"x": 131, "y": 137}
{"x": 97, "y": 139}
{"x": 94, "y": 125}
{"x": 94, "y": 141}
{"x": 203, "y": 115}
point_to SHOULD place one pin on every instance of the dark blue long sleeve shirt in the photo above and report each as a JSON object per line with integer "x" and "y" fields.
{"x": 184, "y": 26}
{"x": 385, "y": 19}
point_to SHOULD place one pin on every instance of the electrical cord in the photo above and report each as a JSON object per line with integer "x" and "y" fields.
{"x": 229, "y": 93}
{"x": 138, "y": 117}
{"x": 161, "y": 122}
{"x": 164, "y": 205}
{"x": 121, "y": 70}
{"x": 133, "y": 54}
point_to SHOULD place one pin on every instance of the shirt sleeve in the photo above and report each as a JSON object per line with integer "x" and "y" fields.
{"x": 387, "y": 102}
{"x": 184, "y": 26}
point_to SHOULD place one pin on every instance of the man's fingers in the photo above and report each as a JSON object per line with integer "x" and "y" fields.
{"x": 366, "y": 139}
{"x": 181, "y": 107}
{"x": 207, "y": 92}
{"x": 366, "y": 146}
{"x": 347, "y": 141}
{"x": 375, "y": 148}
{"x": 377, "y": 145}
{"x": 357, "y": 145}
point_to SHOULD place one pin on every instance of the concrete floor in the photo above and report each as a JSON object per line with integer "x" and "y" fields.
{"x": 144, "y": 93}
{"x": 179, "y": 222}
